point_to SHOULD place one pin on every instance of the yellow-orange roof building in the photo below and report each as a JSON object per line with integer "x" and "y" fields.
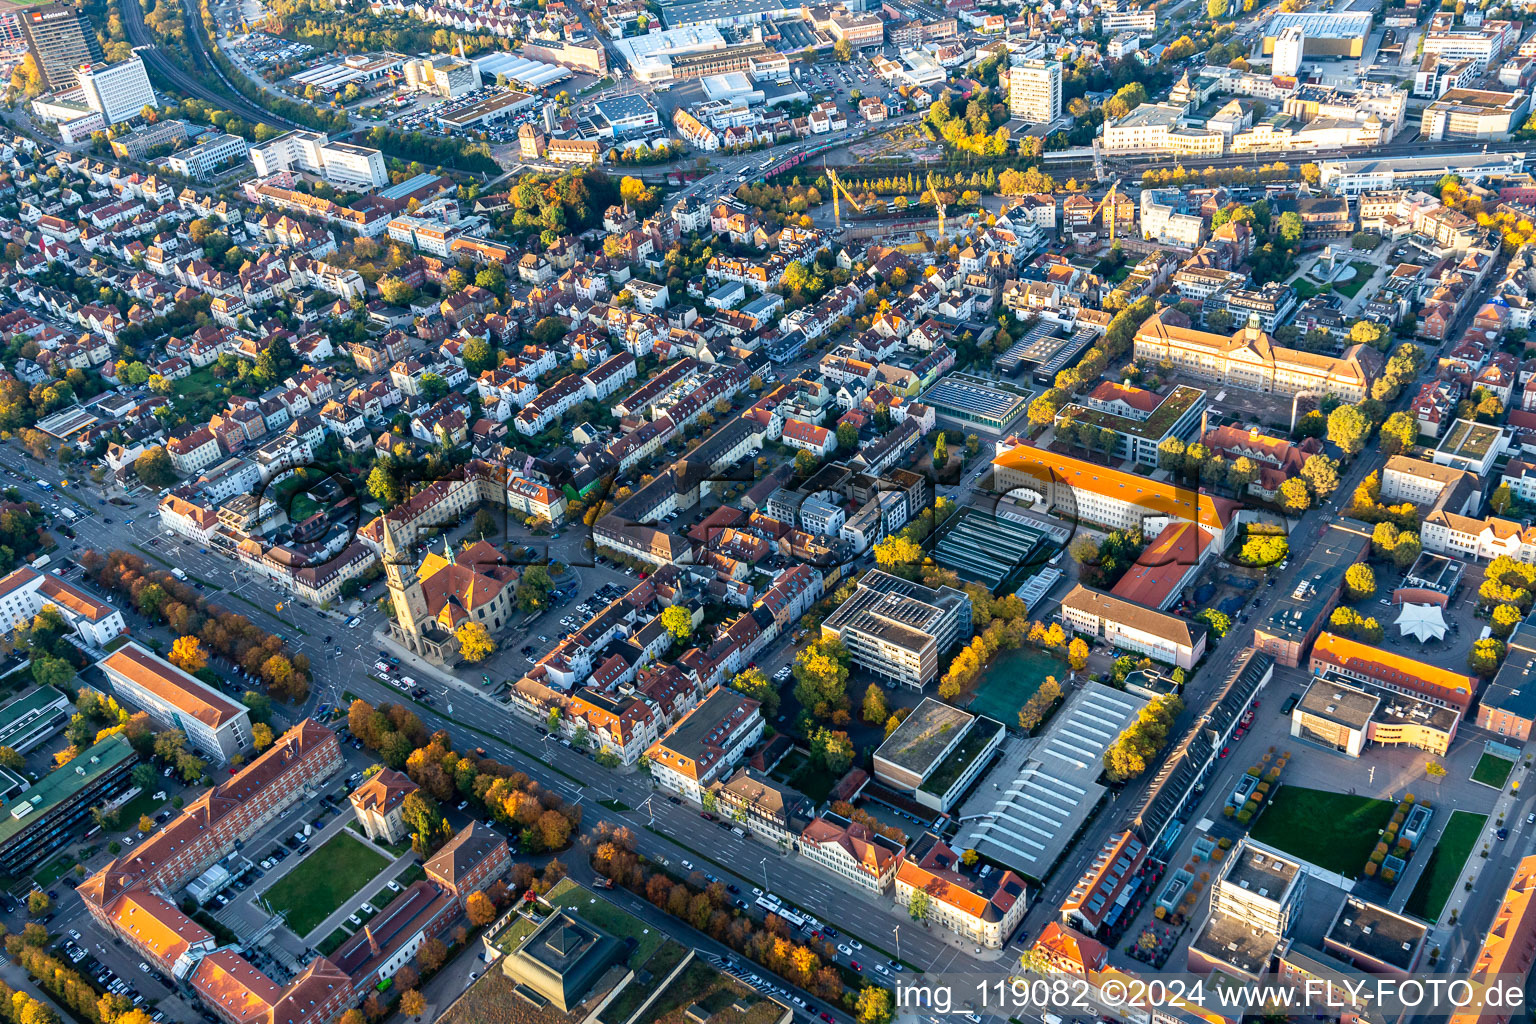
{"x": 1085, "y": 491}
{"x": 1362, "y": 662}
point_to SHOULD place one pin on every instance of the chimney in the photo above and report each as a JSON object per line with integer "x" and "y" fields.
{"x": 373, "y": 943}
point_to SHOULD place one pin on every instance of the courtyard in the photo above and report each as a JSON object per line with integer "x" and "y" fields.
{"x": 1335, "y": 831}
{"x": 317, "y": 886}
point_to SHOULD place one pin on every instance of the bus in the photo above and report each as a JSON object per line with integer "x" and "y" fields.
{"x": 783, "y": 911}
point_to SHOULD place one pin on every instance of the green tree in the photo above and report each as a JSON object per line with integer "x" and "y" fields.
{"x": 1294, "y": 496}
{"x": 876, "y": 711}
{"x": 842, "y": 50}
{"x": 753, "y": 683}
{"x": 821, "y": 677}
{"x": 833, "y": 750}
{"x": 533, "y": 589}
{"x": 478, "y": 356}
{"x": 433, "y": 387}
{"x": 1504, "y": 619}
{"x": 154, "y": 468}
{"x": 1399, "y": 432}
{"x": 1321, "y": 474}
{"x": 1360, "y": 582}
{"x": 679, "y": 621}
{"x": 1348, "y": 429}
{"x": 1484, "y": 657}
{"x": 1289, "y": 228}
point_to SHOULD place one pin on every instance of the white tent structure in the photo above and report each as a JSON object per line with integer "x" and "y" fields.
{"x": 1422, "y": 622}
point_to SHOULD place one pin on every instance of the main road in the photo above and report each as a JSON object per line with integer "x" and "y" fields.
{"x": 663, "y": 830}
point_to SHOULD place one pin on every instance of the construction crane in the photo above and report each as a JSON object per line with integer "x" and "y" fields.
{"x": 938, "y": 204}
{"x": 839, "y": 187}
{"x": 1108, "y": 201}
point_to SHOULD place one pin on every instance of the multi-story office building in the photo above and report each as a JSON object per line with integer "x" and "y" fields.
{"x": 137, "y": 144}
{"x": 213, "y": 723}
{"x": 937, "y": 752}
{"x": 211, "y": 153}
{"x": 207, "y": 829}
{"x": 1079, "y": 491}
{"x": 898, "y": 629}
{"x": 45, "y": 818}
{"x": 442, "y": 75}
{"x": 61, "y": 40}
{"x": 1034, "y": 90}
{"x": 31, "y": 718}
{"x": 314, "y": 153}
{"x": 1141, "y": 420}
{"x": 1254, "y": 901}
{"x": 117, "y": 91}
{"x": 1289, "y": 45}
{"x": 24, "y": 592}
{"x": 1132, "y": 627}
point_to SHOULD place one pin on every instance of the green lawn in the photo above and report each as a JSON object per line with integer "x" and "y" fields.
{"x": 329, "y": 877}
{"x": 134, "y": 809}
{"x": 1335, "y": 831}
{"x": 1492, "y": 771}
{"x": 333, "y": 941}
{"x": 1445, "y": 863}
{"x": 199, "y": 385}
{"x": 53, "y": 871}
{"x": 1351, "y": 288}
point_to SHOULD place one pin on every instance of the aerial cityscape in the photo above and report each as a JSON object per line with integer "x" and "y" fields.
{"x": 731, "y": 512}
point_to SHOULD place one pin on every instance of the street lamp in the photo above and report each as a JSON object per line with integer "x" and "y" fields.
{"x": 897, "y": 929}
{"x": 764, "y": 864}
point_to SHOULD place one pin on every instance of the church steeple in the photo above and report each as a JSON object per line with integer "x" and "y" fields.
{"x": 404, "y": 585}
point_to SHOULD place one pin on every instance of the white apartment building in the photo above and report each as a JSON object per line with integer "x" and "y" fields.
{"x": 117, "y": 91}
{"x": 1164, "y": 219}
{"x": 1422, "y": 483}
{"x": 851, "y": 851}
{"x": 1157, "y": 128}
{"x": 1132, "y": 627}
{"x": 314, "y": 153}
{"x": 1479, "y": 45}
{"x": 25, "y": 591}
{"x": 209, "y": 154}
{"x": 1134, "y": 19}
{"x": 984, "y": 910}
{"x": 1034, "y": 90}
{"x": 1288, "y": 49}
{"x": 213, "y": 724}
